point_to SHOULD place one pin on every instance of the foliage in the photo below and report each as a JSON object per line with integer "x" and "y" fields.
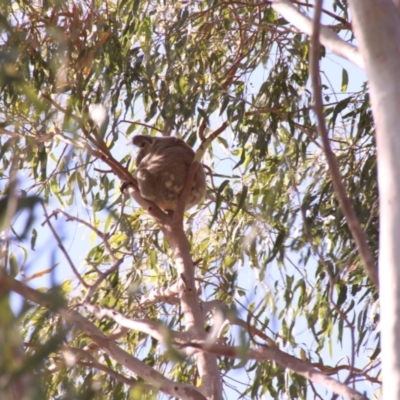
{"x": 270, "y": 212}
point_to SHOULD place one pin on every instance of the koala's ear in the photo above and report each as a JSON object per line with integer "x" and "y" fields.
{"x": 142, "y": 140}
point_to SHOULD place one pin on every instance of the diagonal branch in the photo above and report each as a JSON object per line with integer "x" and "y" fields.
{"x": 76, "y": 355}
{"x": 345, "y": 203}
{"x": 155, "y": 329}
{"x": 174, "y": 389}
{"x": 160, "y": 216}
{"x": 343, "y": 21}
{"x": 100, "y": 150}
{"x": 117, "y": 261}
{"x": 62, "y": 248}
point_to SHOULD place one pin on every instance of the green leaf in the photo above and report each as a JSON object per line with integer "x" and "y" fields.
{"x": 203, "y": 114}
{"x": 338, "y": 109}
{"x": 219, "y": 200}
{"x": 342, "y": 295}
{"x": 13, "y": 265}
{"x": 33, "y": 238}
{"x": 242, "y": 200}
{"x": 345, "y": 80}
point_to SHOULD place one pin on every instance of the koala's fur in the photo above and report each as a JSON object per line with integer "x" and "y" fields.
{"x": 161, "y": 168}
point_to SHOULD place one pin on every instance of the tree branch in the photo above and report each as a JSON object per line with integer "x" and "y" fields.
{"x": 326, "y": 36}
{"x": 327, "y": 12}
{"x": 168, "y": 295}
{"x": 160, "y": 216}
{"x": 62, "y": 248}
{"x": 155, "y": 329}
{"x": 76, "y": 355}
{"x": 209, "y": 373}
{"x": 175, "y": 389}
{"x": 345, "y": 203}
{"x": 377, "y": 29}
{"x": 295, "y": 364}
{"x": 107, "y": 246}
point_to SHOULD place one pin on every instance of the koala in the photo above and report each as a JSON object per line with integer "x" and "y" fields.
{"x": 161, "y": 168}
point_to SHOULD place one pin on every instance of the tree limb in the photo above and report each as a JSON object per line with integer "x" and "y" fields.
{"x": 162, "y": 294}
{"x": 328, "y": 38}
{"x": 345, "y": 203}
{"x": 155, "y": 329}
{"x": 293, "y": 363}
{"x": 175, "y": 389}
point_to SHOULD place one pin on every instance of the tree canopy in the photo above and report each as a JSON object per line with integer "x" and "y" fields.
{"x": 289, "y": 308}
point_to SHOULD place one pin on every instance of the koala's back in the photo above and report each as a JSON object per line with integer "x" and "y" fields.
{"x": 161, "y": 174}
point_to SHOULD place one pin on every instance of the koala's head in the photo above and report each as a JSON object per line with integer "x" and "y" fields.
{"x": 145, "y": 143}
{"x": 149, "y": 144}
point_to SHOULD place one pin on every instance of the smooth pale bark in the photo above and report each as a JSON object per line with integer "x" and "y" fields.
{"x": 211, "y": 384}
{"x": 397, "y": 4}
{"x": 327, "y": 37}
{"x": 377, "y": 29}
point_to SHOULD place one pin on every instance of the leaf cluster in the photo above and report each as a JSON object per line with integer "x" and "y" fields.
{"x": 270, "y": 212}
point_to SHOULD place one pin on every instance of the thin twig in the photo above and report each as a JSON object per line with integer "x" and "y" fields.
{"x": 102, "y": 152}
{"x": 100, "y": 234}
{"x": 61, "y": 246}
{"x": 39, "y": 274}
{"x": 116, "y": 375}
{"x": 141, "y": 124}
{"x": 316, "y": 395}
{"x": 327, "y": 12}
{"x": 80, "y": 354}
{"x": 107, "y": 246}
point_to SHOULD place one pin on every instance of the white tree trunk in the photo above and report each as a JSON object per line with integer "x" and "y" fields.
{"x": 377, "y": 28}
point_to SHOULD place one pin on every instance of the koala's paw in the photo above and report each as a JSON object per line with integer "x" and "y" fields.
{"x": 124, "y": 184}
